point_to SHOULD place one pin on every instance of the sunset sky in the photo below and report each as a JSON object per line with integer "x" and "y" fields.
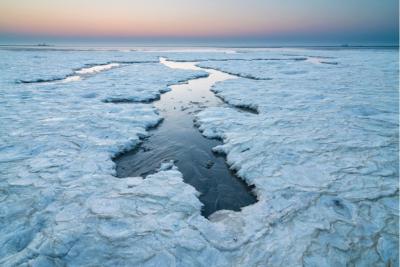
{"x": 342, "y": 20}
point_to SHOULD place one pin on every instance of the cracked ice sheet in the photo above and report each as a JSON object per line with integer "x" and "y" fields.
{"x": 61, "y": 204}
{"x": 326, "y": 138}
{"x": 30, "y": 65}
{"x": 254, "y": 54}
{"x": 239, "y": 56}
{"x": 283, "y": 65}
{"x": 133, "y": 83}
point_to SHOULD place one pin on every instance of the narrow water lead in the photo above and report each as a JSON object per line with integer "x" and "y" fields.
{"x": 176, "y": 138}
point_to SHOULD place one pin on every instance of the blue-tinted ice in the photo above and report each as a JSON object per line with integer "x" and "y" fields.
{"x": 179, "y": 140}
{"x": 322, "y": 153}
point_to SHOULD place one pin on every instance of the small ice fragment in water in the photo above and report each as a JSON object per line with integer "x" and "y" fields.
{"x": 169, "y": 165}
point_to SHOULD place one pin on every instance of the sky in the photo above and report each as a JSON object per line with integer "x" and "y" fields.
{"x": 341, "y": 21}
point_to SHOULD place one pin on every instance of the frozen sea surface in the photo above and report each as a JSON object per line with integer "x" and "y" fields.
{"x": 322, "y": 153}
{"x": 177, "y": 139}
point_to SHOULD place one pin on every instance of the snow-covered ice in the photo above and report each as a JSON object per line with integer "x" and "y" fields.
{"x": 96, "y": 69}
{"x": 322, "y": 153}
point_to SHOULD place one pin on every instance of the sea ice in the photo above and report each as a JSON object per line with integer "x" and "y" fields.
{"x": 322, "y": 153}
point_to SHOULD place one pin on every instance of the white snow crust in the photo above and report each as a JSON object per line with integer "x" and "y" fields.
{"x": 96, "y": 69}
{"x": 322, "y": 154}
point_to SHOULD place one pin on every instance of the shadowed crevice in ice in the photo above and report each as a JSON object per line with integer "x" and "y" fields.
{"x": 307, "y": 56}
{"x": 330, "y": 62}
{"x": 41, "y": 80}
{"x": 176, "y": 138}
{"x": 301, "y": 58}
{"x": 318, "y": 59}
{"x": 130, "y": 100}
{"x": 248, "y": 108}
{"x": 187, "y": 81}
{"x": 241, "y": 75}
{"x": 133, "y": 61}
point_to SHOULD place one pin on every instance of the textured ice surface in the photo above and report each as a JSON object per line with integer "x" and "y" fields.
{"x": 239, "y": 56}
{"x": 36, "y": 65}
{"x": 322, "y": 153}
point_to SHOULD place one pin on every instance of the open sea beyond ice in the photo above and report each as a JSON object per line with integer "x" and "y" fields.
{"x": 199, "y": 157}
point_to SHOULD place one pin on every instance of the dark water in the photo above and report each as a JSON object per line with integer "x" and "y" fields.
{"x": 176, "y": 138}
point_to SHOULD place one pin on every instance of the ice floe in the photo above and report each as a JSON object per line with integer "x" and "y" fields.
{"x": 327, "y": 138}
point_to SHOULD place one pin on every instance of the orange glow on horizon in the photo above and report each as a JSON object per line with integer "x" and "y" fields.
{"x": 184, "y": 18}
{"x": 138, "y": 19}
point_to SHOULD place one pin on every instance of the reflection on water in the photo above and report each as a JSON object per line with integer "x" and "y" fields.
{"x": 177, "y": 139}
